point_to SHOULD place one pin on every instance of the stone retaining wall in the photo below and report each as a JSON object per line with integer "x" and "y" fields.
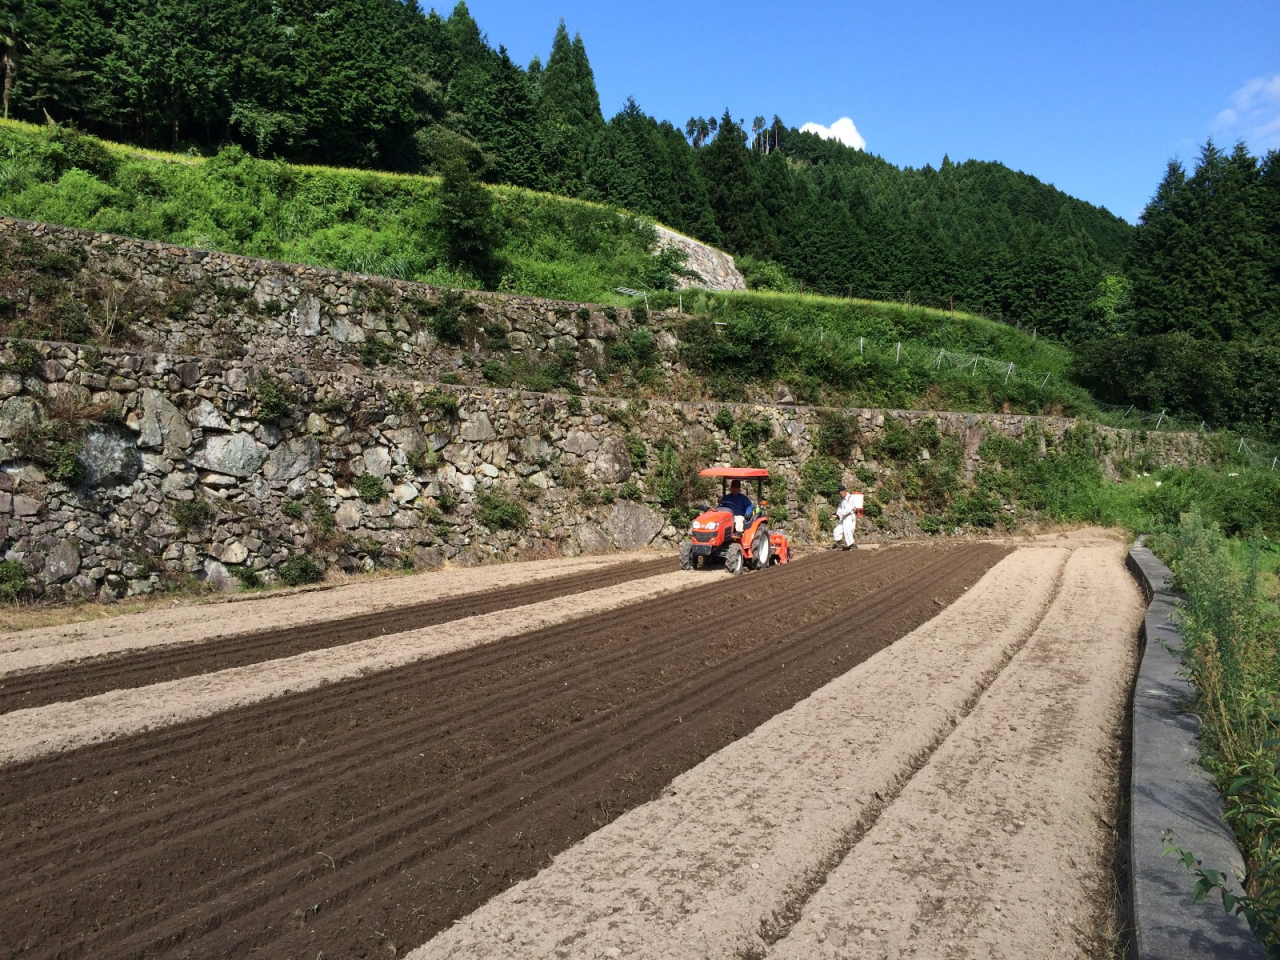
{"x": 121, "y": 471}
{"x": 199, "y": 303}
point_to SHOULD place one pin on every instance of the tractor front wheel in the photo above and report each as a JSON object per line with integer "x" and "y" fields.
{"x": 686, "y": 556}
{"x": 761, "y": 548}
{"x": 734, "y": 562}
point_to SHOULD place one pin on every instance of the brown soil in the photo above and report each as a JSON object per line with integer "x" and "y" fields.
{"x": 952, "y": 796}
{"x": 146, "y": 666}
{"x": 360, "y": 818}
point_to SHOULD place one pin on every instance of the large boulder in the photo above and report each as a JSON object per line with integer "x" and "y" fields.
{"x": 631, "y": 525}
{"x": 292, "y": 459}
{"x": 109, "y": 458}
{"x": 63, "y": 562}
{"x": 478, "y": 429}
{"x": 18, "y": 415}
{"x": 613, "y": 463}
{"x": 236, "y": 455}
{"x": 162, "y": 425}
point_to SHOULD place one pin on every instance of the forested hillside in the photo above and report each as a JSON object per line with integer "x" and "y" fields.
{"x": 1193, "y": 326}
{"x": 379, "y": 84}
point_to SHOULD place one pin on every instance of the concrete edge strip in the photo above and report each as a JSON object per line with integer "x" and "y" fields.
{"x": 1170, "y": 791}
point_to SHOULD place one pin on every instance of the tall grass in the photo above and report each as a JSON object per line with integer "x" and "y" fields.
{"x": 1231, "y": 641}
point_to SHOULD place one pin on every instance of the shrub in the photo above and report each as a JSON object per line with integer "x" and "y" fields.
{"x": 498, "y": 510}
{"x": 442, "y": 402}
{"x": 780, "y": 448}
{"x": 273, "y": 396}
{"x": 631, "y": 491}
{"x": 723, "y": 420}
{"x": 446, "y": 321}
{"x": 837, "y": 435}
{"x": 370, "y": 488}
{"x": 375, "y": 352}
{"x": 192, "y": 515}
{"x": 676, "y": 481}
{"x": 13, "y": 580}
{"x": 820, "y": 476}
{"x": 637, "y": 452}
{"x": 299, "y": 569}
{"x": 294, "y": 510}
{"x": 247, "y": 576}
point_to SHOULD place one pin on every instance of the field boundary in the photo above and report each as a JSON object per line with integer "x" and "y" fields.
{"x": 1170, "y": 791}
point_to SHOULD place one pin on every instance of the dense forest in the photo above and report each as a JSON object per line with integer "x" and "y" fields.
{"x": 1193, "y": 324}
{"x": 379, "y": 84}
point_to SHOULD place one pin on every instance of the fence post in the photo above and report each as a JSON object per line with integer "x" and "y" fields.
{"x": 1273, "y": 462}
{"x": 1241, "y": 447}
{"x": 1008, "y": 373}
{"x": 1044, "y": 381}
{"x": 898, "y": 357}
{"x": 859, "y": 346}
{"x": 1202, "y": 426}
{"x": 682, "y": 303}
{"x": 975, "y": 365}
{"x": 1127, "y": 412}
{"x": 646, "y": 302}
{"x": 1159, "y": 421}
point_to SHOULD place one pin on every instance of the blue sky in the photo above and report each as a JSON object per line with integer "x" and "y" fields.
{"x": 1092, "y": 97}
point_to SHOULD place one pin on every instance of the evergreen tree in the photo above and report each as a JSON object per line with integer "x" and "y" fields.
{"x": 468, "y": 226}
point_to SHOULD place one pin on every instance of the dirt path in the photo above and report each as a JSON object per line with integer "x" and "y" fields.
{"x": 359, "y": 818}
{"x": 930, "y": 802}
{"x": 998, "y": 848}
{"x": 247, "y": 614}
{"x": 149, "y": 665}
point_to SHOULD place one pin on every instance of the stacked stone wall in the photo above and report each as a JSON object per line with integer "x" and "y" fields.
{"x": 205, "y": 469}
{"x": 243, "y": 424}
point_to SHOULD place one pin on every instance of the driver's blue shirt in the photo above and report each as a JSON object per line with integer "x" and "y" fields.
{"x": 739, "y": 503}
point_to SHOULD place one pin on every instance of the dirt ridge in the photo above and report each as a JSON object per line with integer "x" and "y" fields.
{"x": 148, "y": 665}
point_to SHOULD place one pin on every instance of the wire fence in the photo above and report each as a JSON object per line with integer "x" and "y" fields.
{"x": 1251, "y": 449}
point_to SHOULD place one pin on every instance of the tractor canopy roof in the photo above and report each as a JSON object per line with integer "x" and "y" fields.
{"x": 736, "y": 473}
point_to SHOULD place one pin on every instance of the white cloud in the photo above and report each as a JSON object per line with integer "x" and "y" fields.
{"x": 842, "y": 130}
{"x": 1254, "y": 115}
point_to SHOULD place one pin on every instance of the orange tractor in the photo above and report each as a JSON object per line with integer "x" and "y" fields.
{"x": 734, "y": 531}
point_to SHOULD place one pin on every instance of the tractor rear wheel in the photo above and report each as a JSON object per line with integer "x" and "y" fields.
{"x": 734, "y": 562}
{"x": 761, "y": 549}
{"x": 686, "y": 556}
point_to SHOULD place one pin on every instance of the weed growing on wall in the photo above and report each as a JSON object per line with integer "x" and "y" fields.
{"x": 499, "y": 510}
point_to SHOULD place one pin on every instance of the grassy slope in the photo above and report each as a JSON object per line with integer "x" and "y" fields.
{"x": 381, "y": 224}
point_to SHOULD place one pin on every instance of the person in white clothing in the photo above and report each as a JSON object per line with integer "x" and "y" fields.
{"x": 847, "y": 518}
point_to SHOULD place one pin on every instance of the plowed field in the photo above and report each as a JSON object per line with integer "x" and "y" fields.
{"x": 365, "y": 816}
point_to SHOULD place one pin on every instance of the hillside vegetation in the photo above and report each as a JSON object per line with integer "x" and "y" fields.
{"x": 826, "y": 349}
{"x": 363, "y": 221}
{"x": 382, "y": 84}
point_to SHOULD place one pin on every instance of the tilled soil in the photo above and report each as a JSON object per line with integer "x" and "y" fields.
{"x": 157, "y": 664}
{"x": 952, "y": 796}
{"x": 360, "y": 818}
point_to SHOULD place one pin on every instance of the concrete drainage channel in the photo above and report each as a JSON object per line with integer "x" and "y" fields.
{"x": 1171, "y": 792}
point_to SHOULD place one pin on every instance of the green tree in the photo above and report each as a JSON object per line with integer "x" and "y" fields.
{"x": 468, "y": 227}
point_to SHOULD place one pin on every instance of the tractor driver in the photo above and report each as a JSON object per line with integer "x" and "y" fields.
{"x": 737, "y": 501}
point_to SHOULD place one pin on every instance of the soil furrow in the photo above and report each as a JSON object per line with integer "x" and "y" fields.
{"x": 545, "y": 646}
{"x": 257, "y": 787}
{"x": 553, "y": 767}
{"x": 147, "y": 666}
{"x": 608, "y": 765}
